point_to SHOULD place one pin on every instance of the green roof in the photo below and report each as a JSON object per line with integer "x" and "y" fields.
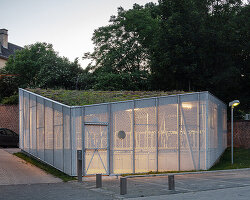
{"x": 83, "y": 97}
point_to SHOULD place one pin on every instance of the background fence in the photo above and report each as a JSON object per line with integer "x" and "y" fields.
{"x": 9, "y": 116}
{"x": 241, "y": 134}
{"x": 172, "y": 133}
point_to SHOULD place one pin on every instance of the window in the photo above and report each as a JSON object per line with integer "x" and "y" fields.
{"x": 2, "y": 132}
{"x": 9, "y": 133}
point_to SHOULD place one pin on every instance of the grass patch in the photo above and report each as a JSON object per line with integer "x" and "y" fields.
{"x": 241, "y": 159}
{"x": 81, "y": 97}
{"x": 154, "y": 172}
{"x": 45, "y": 167}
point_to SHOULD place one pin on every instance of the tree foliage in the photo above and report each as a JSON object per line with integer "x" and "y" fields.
{"x": 119, "y": 52}
{"x": 176, "y": 45}
{"x": 38, "y": 65}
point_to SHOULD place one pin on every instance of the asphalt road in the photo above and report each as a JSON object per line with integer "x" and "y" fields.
{"x": 51, "y": 191}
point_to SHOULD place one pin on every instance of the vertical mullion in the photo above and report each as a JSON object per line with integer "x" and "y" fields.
{"x": 29, "y": 119}
{"x": 207, "y": 132}
{"x": 198, "y": 119}
{"x": 23, "y": 121}
{"x": 53, "y": 132}
{"x": 73, "y": 140}
{"x": 19, "y": 119}
{"x": 133, "y": 130}
{"x": 44, "y": 129}
{"x": 111, "y": 141}
{"x": 70, "y": 137}
{"x": 63, "y": 138}
{"x": 178, "y": 130}
{"x": 36, "y": 127}
{"x": 83, "y": 140}
{"x": 157, "y": 132}
{"x": 108, "y": 137}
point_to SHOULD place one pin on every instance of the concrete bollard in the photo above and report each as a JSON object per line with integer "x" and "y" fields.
{"x": 171, "y": 184}
{"x": 79, "y": 165}
{"x": 98, "y": 180}
{"x": 123, "y": 186}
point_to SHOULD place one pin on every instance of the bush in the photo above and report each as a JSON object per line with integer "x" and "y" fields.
{"x": 12, "y": 100}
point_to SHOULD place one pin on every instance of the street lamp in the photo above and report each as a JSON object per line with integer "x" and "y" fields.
{"x": 232, "y": 104}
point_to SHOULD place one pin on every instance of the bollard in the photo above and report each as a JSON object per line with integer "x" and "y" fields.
{"x": 79, "y": 165}
{"x": 123, "y": 186}
{"x": 98, "y": 180}
{"x": 171, "y": 184}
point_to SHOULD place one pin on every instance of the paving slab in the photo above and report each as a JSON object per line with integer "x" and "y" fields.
{"x": 184, "y": 183}
{"x": 238, "y": 193}
{"x": 14, "y": 170}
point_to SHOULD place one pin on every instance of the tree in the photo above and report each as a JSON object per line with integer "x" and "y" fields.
{"x": 121, "y": 49}
{"x": 28, "y": 62}
{"x": 38, "y": 65}
{"x": 177, "y": 45}
{"x": 8, "y": 86}
{"x": 63, "y": 74}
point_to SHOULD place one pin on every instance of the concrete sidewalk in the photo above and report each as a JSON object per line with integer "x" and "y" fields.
{"x": 239, "y": 193}
{"x": 14, "y": 170}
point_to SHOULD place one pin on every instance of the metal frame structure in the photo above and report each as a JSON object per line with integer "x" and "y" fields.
{"x": 169, "y": 133}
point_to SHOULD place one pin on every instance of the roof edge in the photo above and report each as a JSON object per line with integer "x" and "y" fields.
{"x": 172, "y": 95}
{"x": 44, "y": 97}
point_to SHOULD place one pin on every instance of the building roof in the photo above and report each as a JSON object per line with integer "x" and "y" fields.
{"x": 5, "y": 53}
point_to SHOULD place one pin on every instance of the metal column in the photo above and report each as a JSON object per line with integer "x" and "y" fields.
{"x": 207, "y": 131}
{"x": 133, "y": 130}
{"x": 198, "y": 122}
{"x": 70, "y": 137}
{"x": 83, "y": 141}
{"x": 23, "y": 123}
{"x": 29, "y": 120}
{"x": 53, "y": 130}
{"x": 178, "y": 130}
{"x": 63, "y": 137}
{"x": 108, "y": 138}
{"x": 157, "y": 132}
{"x": 36, "y": 128}
{"x": 44, "y": 129}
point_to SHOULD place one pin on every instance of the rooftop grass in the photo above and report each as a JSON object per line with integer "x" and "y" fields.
{"x": 81, "y": 97}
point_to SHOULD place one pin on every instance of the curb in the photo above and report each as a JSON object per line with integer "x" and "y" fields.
{"x": 184, "y": 173}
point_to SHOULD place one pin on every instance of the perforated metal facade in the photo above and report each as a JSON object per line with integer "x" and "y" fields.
{"x": 170, "y": 133}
